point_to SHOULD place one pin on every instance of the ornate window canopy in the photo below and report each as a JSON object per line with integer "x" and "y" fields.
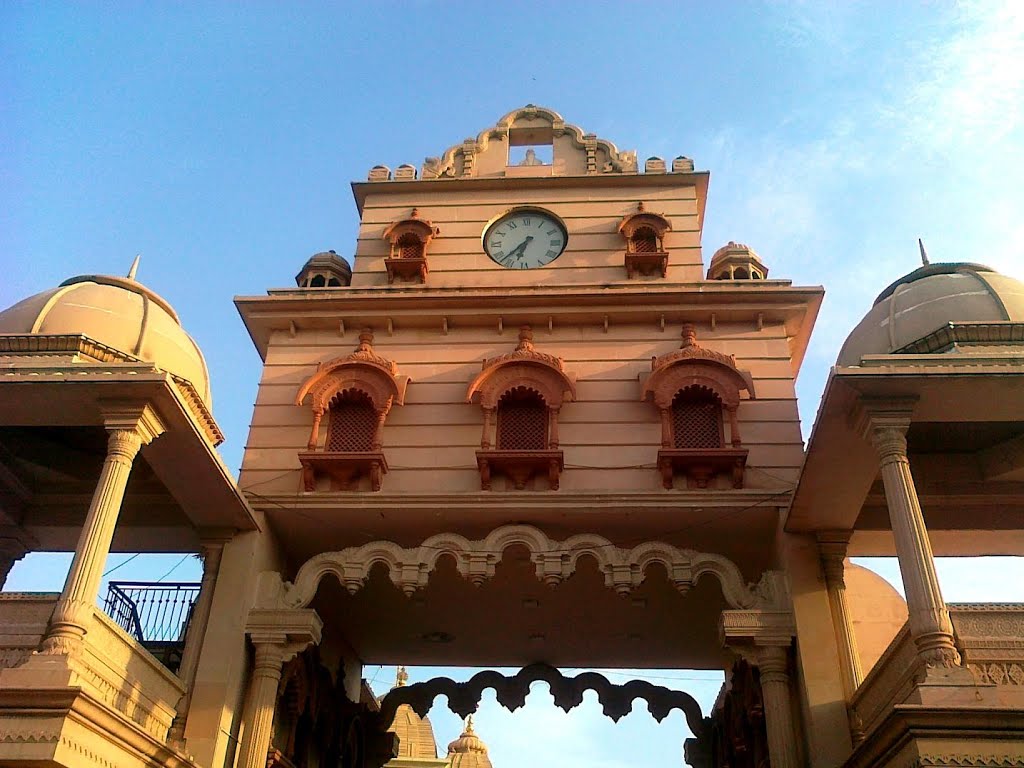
{"x": 525, "y": 370}
{"x": 712, "y": 373}
{"x": 644, "y": 233}
{"x": 409, "y": 239}
{"x": 362, "y": 375}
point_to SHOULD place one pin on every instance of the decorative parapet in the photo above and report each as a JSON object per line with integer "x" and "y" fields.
{"x": 890, "y": 682}
{"x": 624, "y": 569}
{"x": 990, "y": 638}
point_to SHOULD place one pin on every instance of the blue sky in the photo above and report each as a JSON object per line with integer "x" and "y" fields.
{"x": 219, "y": 140}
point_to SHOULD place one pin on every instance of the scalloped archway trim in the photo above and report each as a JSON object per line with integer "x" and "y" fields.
{"x": 363, "y": 370}
{"x": 694, "y": 365}
{"x": 524, "y": 367}
{"x": 616, "y": 700}
{"x": 624, "y": 569}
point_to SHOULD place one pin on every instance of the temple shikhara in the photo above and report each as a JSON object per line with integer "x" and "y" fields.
{"x": 525, "y": 424}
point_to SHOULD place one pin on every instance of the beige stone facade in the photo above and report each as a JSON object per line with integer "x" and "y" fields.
{"x": 529, "y": 427}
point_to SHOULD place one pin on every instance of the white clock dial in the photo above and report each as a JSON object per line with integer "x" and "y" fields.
{"x": 526, "y": 238}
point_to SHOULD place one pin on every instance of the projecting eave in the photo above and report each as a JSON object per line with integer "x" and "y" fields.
{"x": 37, "y": 394}
{"x": 426, "y": 187}
{"x": 346, "y": 310}
{"x": 840, "y": 465}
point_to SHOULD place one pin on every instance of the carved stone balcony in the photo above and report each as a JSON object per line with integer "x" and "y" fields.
{"x": 408, "y": 268}
{"x": 519, "y": 466}
{"x": 700, "y": 465}
{"x": 646, "y": 263}
{"x": 344, "y": 468}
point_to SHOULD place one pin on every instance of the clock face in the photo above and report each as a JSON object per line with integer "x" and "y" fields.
{"x": 525, "y": 238}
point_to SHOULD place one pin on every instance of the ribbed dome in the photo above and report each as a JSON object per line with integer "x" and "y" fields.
{"x": 468, "y": 751}
{"x": 118, "y": 312}
{"x": 929, "y": 298}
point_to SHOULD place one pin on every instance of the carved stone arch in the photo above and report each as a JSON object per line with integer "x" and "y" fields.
{"x": 624, "y": 569}
{"x": 376, "y": 378}
{"x": 511, "y": 692}
{"x": 644, "y": 233}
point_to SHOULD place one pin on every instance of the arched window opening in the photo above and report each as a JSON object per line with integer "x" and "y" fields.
{"x": 353, "y": 423}
{"x": 410, "y": 246}
{"x": 697, "y": 419}
{"x": 645, "y": 240}
{"x": 740, "y": 274}
{"x": 522, "y": 421}
{"x": 334, "y": 283}
{"x": 318, "y": 281}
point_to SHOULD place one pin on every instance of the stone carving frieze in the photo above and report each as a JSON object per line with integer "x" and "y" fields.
{"x": 624, "y": 569}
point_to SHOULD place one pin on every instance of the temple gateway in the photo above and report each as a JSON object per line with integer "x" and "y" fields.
{"x": 526, "y": 425}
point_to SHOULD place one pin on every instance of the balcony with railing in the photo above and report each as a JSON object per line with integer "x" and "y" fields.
{"x": 156, "y": 614}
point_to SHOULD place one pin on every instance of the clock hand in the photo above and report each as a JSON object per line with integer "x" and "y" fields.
{"x": 522, "y": 246}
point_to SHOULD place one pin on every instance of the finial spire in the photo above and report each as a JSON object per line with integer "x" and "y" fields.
{"x": 469, "y": 724}
{"x": 924, "y": 254}
{"x": 401, "y": 677}
{"x": 134, "y": 267}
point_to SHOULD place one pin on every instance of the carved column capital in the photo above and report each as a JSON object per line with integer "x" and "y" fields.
{"x": 773, "y": 661}
{"x": 832, "y": 546}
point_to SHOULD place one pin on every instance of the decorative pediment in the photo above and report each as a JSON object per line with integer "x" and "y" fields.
{"x": 524, "y": 367}
{"x": 362, "y": 370}
{"x": 574, "y": 150}
{"x": 694, "y": 365}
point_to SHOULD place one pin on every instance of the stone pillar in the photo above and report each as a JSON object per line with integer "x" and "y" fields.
{"x": 15, "y": 543}
{"x": 832, "y": 547}
{"x": 128, "y": 430}
{"x": 773, "y": 663}
{"x": 886, "y": 427}
{"x": 277, "y": 636}
{"x": 211, "y": 553}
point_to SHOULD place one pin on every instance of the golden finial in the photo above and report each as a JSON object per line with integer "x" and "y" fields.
{"x": 469, "y": 724}
{"x": 401, "y": 677}
{"x": 134, "y": 267}
{"x": 924, "y": 254}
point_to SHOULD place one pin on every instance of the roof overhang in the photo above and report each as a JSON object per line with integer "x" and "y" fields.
{"x": 338, "y": 309}
{"x": 35, "y": 393}
{"x": 840, "y": 465}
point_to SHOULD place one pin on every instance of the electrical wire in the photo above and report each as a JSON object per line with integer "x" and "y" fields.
{"x": 123, "y": 562}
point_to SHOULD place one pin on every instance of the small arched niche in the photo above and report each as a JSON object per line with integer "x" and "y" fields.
{"x": 644, "y": 233}
{"x": 409, "y": 239}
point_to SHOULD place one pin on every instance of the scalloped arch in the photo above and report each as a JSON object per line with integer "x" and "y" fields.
{"x": 665, "y": 383}
{"x": 372, "y": 379}
{"x": 540, "y": 376}
{"x": 616, "y": 700}
{"x": 554, "y": 561}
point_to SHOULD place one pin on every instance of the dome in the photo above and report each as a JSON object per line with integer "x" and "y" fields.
{"x": 929, "y": 298}
{"x": 118, "y": 312}
{"x": 469, "y": 750}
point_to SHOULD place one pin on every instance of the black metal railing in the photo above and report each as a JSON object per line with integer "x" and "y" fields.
{"x": 152, "y": 612}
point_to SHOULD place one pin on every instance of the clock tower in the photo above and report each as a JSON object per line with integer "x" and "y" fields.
{"x": 528, "y": 428}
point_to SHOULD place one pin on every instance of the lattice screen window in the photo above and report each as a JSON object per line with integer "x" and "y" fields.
{"x": 697, "y": 419}
{"x": 522, "y": 421}
{"x": 645, "y": 241}
{"x": 353, "y": 422}
{"x": 410, "y": 246}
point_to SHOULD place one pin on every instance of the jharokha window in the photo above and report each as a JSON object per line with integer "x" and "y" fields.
{"x": 521, "y": 393}
{"x": 644, "y": 233}
{"x": 355, "y": 393}
{"x": 696, "y": 391}
{"x": 409, "y": 239}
